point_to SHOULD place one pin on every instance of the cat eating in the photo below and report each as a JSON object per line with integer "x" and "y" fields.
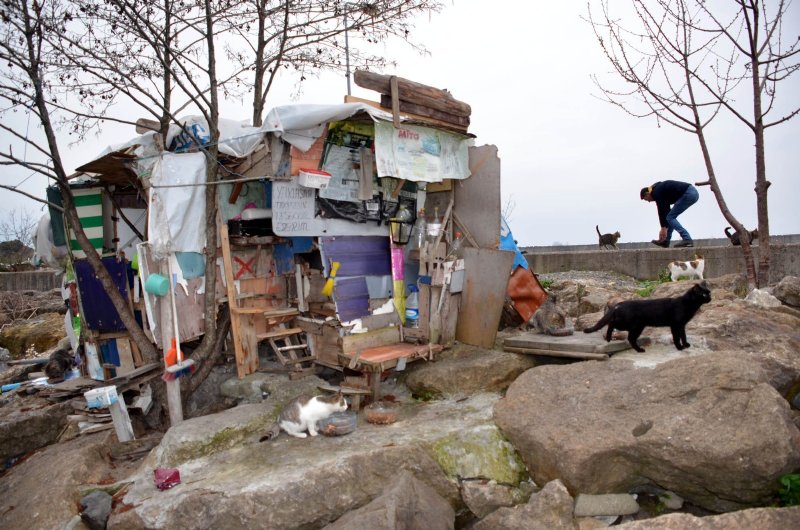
{"x": 302, "y": 414}
{"x": 607, "y": 240}
{"x": 635, "y": 315}
{"x": 691, "y": 269}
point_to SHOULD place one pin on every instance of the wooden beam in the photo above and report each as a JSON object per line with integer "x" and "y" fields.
{"x": 412, "y": 92}
{"x": 420, "y": 110}
{"x": 423, "y": 120}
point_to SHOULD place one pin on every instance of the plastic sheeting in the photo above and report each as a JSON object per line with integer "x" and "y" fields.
{"x": 301, "y": 125}
{"x": 178, "y": 214}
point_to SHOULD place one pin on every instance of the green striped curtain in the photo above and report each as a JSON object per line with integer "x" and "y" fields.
{"x": 89, "y": 203}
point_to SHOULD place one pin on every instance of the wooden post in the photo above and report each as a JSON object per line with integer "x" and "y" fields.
{"x": 122, "y": 422}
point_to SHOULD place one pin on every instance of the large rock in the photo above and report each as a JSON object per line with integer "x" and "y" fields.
{"x": 29, "y": 423}
{"x": 408, "y": 504}
{"x": 788, "y": 291}
{"x": 482, "y": 497}
{"x": 754, "y": 519}
{"x": 465, "y": 370}
{"x": 43, "y": 491}
{"x": 711, "y": 428}
{"x": 307, "y": 483}
{"x": 550, "y": 509}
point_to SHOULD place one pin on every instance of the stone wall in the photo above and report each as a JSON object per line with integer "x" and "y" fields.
{"x": 30, "y": 281}
{"x": 644, "y": 261}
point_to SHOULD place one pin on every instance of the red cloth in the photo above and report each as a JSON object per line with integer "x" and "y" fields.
{"x": 526, "y": 293}
{"x": 167, "y": 477}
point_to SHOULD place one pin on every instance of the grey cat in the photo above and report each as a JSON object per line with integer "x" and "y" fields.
{"x": 550, "y": 319}
{"x": 607, "y": 240}
{"x": 736, "y": 240}
{"x": 302, "y": 414}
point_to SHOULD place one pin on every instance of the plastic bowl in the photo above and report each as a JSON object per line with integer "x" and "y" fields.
{"x": 338, "y": 423}
{"x": 382, "y": 412}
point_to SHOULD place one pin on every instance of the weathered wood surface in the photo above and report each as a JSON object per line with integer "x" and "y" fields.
{"x": 413, "y": 92}
{"x": 556, "y": 353}
{"x": 582, "y": 343}
{"x": 421, "y": 110}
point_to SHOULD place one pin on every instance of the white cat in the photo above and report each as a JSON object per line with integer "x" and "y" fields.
{"x": 690, "y": 269}
{"x": 303, "y": 412}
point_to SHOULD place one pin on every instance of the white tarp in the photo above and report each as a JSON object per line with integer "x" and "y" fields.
{"x": 301, "y": 125}
{"x": 177, "y": 221}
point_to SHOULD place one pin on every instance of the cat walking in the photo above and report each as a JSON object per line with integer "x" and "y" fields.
{"x": 302, "y": 414}
{"x": 635, "y": 315}
{"x": 690, "y": 269}
{"x": 607, "y": 240}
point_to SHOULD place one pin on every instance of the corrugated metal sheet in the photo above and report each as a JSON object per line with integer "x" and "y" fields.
{"x": 359, "y": 256}
{"x": 351, "y": 297}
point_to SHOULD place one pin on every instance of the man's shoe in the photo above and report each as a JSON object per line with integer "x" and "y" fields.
{"x": 684, "y": 243}
{"x": 661, "y": 243}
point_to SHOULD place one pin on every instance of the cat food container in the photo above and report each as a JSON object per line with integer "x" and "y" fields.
{"x": 382, "y": 412}
{"x": 314, "y": 178}
{"x": 338, "y": 423}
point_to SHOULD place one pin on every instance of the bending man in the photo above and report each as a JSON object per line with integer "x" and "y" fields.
{"x": 672, "y": 198}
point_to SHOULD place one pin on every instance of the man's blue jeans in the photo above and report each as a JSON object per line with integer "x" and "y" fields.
{"x": 687, "y": 199}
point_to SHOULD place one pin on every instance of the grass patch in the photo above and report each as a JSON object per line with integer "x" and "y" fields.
{"x": 789, "y": 490}
{"x": 546, "y": 284}
{"x": 646, "y": 287}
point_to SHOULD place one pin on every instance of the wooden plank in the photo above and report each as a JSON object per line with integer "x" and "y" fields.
{"x": 394, "y": 100}
{"x": 450, "y": 319}
{"x": 241, "y": 369}
{"x": 370, "y": 339}
{"x": 428, "y": 112}
{"x": 478, "y": 200}
{"x": 485, "y": 281}
{"x": 126, "y": 364}
{"x": 279, "y": 333}
{"x": 413, "y": 118}
{"x": 558, "y": 353}
{"x": 383, "y": 354}
{"x": 576, "y": 343}
{"x": 413, "y": 92}
{"x": 249, "y": 343}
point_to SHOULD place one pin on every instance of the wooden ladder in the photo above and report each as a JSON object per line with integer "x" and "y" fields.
{"x": 290, "y": 349}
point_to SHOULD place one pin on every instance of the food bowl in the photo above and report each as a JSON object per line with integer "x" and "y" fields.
{"x": 382, "y": 412}
{"x": 338, "y": 423}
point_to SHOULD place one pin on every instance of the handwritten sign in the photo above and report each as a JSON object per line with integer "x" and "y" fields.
{"x": 293, "y": 209}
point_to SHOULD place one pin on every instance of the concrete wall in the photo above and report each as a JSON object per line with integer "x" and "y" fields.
{"x": 30, "y": 281}
{"x": 644, "y": 261}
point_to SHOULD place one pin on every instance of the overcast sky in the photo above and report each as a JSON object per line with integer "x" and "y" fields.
{"x": 569, "y": 160}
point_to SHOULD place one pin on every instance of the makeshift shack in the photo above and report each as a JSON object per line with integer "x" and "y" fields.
{"x": 327, "y": 214}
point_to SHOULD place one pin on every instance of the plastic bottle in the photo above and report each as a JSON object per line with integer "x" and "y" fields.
{"x": 455, "y": 246}
{"x": 435, "y": 226}
{"x": 420, "y": 231}
{"x": 412, "y": 306}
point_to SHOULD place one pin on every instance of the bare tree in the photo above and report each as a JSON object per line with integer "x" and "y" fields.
{"x": 18, "y": 225}
{"x": 685, "y": 61}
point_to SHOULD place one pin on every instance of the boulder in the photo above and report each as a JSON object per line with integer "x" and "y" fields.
{"x": 788, "y": 291}
{"x": 408, "y": 503}
{"x": 711, "y": 428}
{"x": 550, "y": 509}
{"x": 466, "y": 370}
{"x": 762, "y": 298}
{"x": 43, "y": 491}
{"x": 482, "y": 496}
{"x": 95, "y": 509}
{"x": 28, "y": 423}
{"x": 308, "y": 483}
{"x": 753, "y": 519}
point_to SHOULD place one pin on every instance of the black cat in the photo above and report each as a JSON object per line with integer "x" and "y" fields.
{"x": 634, "y": 315}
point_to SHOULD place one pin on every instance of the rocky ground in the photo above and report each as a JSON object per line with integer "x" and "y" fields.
{"x": 485, "y": 438}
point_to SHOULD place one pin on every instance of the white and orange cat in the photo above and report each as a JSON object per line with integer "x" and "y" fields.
{"x": 690, "y": 269}
{"x": 302, "y": 414}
